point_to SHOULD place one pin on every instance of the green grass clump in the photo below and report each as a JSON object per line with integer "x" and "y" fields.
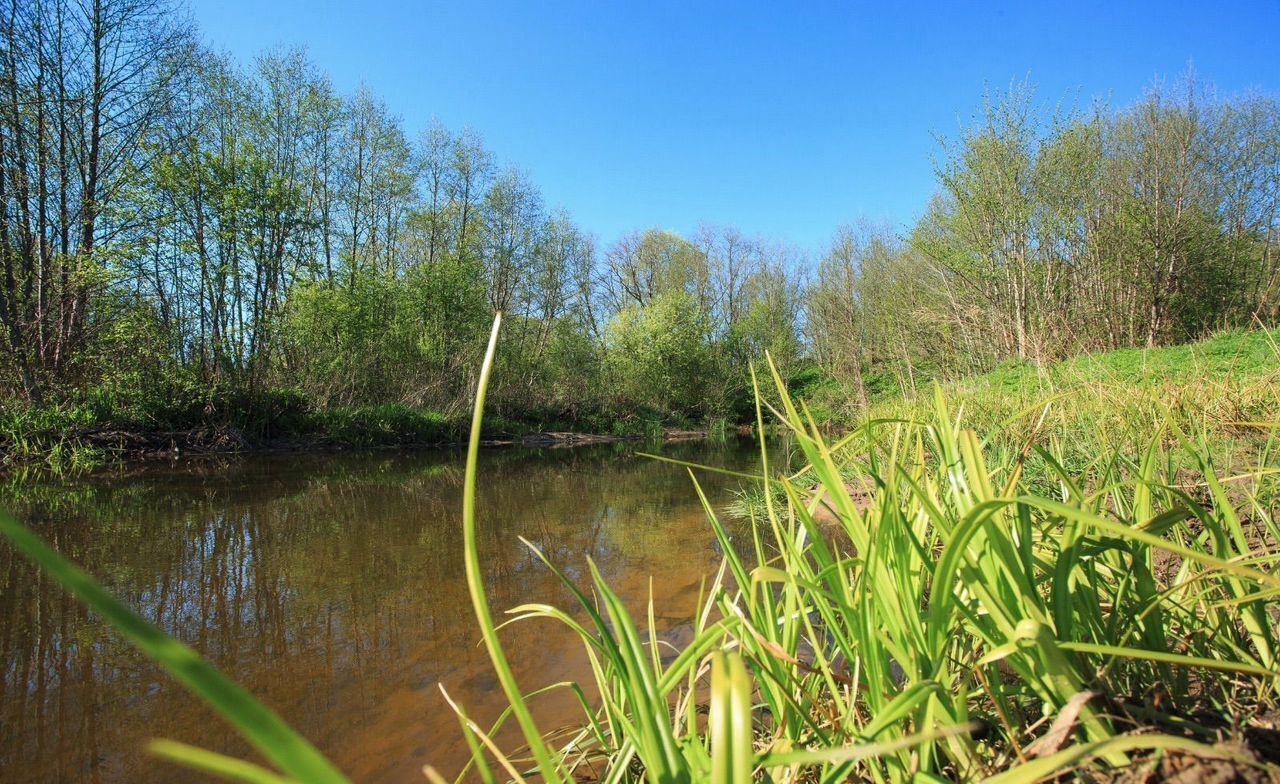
{"x": 46, "y": 437}
{"x": 931, "y": 614}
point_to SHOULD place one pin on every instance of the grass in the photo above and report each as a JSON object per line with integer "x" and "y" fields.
{"x": 954, "y": 615}
{"x": 40, "y": 436}
{"x": 1220, "y": 389}
{"x": 1242, "y": 355}
{"x": 1238, "y": 356}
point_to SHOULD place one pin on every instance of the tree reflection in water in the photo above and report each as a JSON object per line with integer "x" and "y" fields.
{"x": 332, "y": 587}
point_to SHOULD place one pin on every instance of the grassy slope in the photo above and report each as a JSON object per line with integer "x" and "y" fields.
{"x": 1239, "y": 354}
{"x": 1220, "y": 391}
{"x": 1114, "y": 399}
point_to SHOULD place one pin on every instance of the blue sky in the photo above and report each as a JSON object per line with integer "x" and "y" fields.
{"x": 785, "y": 119}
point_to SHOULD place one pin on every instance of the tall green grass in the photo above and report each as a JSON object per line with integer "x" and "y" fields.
{"x": 927, "y": 614}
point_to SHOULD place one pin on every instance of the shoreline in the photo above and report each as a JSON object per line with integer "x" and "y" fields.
{"x": 114, "y": 448}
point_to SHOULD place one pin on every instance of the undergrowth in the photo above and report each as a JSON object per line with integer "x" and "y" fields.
{"x": 74, "y": 437}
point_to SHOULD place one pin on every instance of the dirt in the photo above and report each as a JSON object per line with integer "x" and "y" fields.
{"x": 1243, "y": 766}
{"x": 671, "y": 434}
{"x": 554, "y": 439}
{"x": 825, "y": 513}
{"x": 211, "y": 439}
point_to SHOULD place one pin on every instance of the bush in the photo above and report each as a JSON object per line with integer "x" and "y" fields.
{"x": 389, "y": 424}
{"x": 660, "y": 355}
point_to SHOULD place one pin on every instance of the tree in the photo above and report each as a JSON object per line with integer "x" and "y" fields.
{"x": 659, "y": 355}
{"x": 84, "y": 84}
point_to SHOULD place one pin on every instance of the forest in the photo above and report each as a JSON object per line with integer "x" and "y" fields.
{"x": 186, "y": 237}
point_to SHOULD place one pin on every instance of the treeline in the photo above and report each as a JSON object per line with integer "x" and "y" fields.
{"x": 1056, "y": 233}
{"x": 178, "y": 226}
{"x": 174, "y": 221}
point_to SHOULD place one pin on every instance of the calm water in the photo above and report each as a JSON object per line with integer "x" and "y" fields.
{"x": 332, "y": 587}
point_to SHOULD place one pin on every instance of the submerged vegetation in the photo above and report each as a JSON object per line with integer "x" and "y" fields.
{"x": 928, "y": 611}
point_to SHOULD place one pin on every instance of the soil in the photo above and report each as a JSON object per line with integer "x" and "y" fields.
{"x": 825, "y": 514}
{"x": 572, "y": 439}
{"x": 1245, "y": 766}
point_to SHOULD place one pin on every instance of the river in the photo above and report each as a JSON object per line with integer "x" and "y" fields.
{"x": 332, "y": 587}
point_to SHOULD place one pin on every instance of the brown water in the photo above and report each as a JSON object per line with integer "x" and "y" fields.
{"x": 332, "y": 587}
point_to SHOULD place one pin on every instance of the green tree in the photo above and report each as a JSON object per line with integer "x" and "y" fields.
{"x": 659, "y": 356}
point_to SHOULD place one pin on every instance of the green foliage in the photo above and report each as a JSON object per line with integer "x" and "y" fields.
{"x": 385, "y": 425}
{"x": 1058, "y": 231}
{"x": 660, "y": 355}
{"x": 384, "y": 339}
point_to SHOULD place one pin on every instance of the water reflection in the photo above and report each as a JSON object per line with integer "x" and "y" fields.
{"x": 332, "y": 587}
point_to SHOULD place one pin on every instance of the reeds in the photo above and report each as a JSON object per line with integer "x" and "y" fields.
{"x": 951, "y": 623}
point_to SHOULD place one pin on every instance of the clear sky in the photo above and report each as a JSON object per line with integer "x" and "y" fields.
{"x": 785, "y": 119}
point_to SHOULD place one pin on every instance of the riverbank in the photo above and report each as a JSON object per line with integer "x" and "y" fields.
{"x": 72, "y": 439}
{"x": 1222, "y": 391}
{"x": 1093, "y": 401}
